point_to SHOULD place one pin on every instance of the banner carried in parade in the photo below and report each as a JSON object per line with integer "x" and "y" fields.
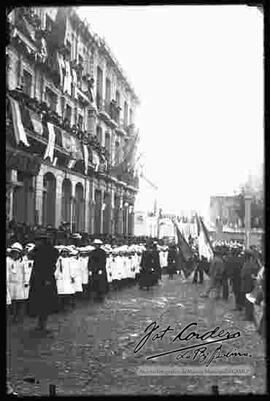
{"x": 205, "y": 246}
{"x": 183, "y": 245}
{"x": 19, "y": 131}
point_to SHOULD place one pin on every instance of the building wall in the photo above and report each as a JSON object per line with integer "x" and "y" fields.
{"x": 93, "y": 55}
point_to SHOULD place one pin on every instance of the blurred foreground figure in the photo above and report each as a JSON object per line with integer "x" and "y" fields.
{"x": 216, "y": 272}
{"x": 43, "y": 291}
{"x": 148, "y": 266}
{"x": 172, "y": 261}
{"x": 97, "y": 270}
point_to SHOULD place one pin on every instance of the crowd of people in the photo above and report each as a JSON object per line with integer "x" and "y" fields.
{"x": 88, "y": 268}
{"x": 62, "y": 274}
{"x": 240, "y": 271}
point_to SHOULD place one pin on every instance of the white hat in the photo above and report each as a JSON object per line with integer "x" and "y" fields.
{"x": 16, "y": 247}
{"x": 74, "y": 252}
{"x": 30, "y": 246}
{"x": 97, "y": 242}
{"x": 76, "y": 236}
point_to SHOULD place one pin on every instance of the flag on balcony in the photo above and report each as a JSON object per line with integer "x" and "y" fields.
{"x": 49, "y": 152}
{"x": 129, "y": 159}
{"x": 183, "y": 245}
{"x": 36, "y": 122}
{"x": 95, "y": 160}
{"x": 86, "y": 158}
{"x": 205, "y": 246}
{"x": 61, "y": 65}
{"x": 71, "y": 163}
{"x": 67, "y": 78}
{"x": 76, "y": 148}
{"x": 19, "y": 131}
{"x": 75, "y": 81}
{"x": 66, "y": 141}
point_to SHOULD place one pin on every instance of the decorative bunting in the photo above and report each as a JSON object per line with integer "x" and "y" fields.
{"x": 51, "y": 142}
{"x": 19, "y": 132}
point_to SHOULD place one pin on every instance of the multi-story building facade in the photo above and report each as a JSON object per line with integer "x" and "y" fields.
{"x": 70, "y": 114}
{"x": 224, "y": 210}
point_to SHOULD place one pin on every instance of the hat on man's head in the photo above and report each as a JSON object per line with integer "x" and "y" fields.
{"x": 97, "y": 242}
{"x": 16, "y": 247}
{"x": 76, "y": 236}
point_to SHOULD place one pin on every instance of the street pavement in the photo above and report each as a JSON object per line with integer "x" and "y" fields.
{"x": 91, "y": 348}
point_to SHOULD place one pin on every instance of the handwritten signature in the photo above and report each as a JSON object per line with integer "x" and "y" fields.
{"x": 194, "y": 351}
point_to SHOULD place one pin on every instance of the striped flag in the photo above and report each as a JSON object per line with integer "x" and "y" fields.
{"x": 19, "y": 131}
{"x": 71, "y": 163}
{"x": 205, "y": 246}
{"x": 36, "y": 122}
{"x": 86, "y": 158}
{"x": 95, "y": 160}
{"x": 183, "y": 245}
{"x": 51, "y": 141}
{"x": 129, "y": 159}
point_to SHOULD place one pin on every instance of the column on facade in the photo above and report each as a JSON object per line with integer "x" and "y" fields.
{"x": 86, "y": 206}
{"x": 120, "y": 216}
{"x": 39, "y": 196}
{"x": 10, "y": 193}
{"x": 92, "y": 207}
{"x": 131, "y": 220}
{"x": 101, "y": 210}
{"x": 58, "y": 200}
{"x": 72, "y": 205}
{"x": 112, "y": 208}
{"x": 126, "y": 219}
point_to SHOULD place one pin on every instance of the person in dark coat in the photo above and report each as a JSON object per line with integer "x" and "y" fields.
{"x": 234, "y": 266}
{"x": 97, "y": 269}
{"x": 172, "y": 261}
{"x": 199, "y": 269}
{"x": 147, "y": 271}
{"x": 43, "y": 298}
{"x": 249, "y": 269}
{"x": 216, "y": 272}
{"x": 157, "y": 267}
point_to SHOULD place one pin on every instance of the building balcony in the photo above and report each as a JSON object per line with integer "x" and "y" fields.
{"x": 107, "y": 112}
{"x": 35, "y": 124}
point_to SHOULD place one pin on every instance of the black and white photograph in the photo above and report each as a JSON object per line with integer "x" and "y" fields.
{"x": 135, "y": 201}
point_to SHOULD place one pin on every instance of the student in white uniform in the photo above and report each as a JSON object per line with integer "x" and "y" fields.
{"x": 28, "y": 266}
{"x": 119, "y": 269}
{"x": 114, "y": 268}
{"x": 83, "y": 262}
{"x": 16, "y": 280}
{"x": 64, "y": 278}
{"x": 8, "y": 297}
{"x": 76, "y": 272}
{"x": 109, "y": 266}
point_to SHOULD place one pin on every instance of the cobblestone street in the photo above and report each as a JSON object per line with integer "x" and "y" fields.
{"x": 91, "y": 350}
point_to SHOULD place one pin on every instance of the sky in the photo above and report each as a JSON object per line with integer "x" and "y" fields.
{"x": 198, "y": 71}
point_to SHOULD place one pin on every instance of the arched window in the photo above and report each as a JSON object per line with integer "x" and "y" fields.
{"x": 66, "y": 200}
{"x": 79, "y": 207}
